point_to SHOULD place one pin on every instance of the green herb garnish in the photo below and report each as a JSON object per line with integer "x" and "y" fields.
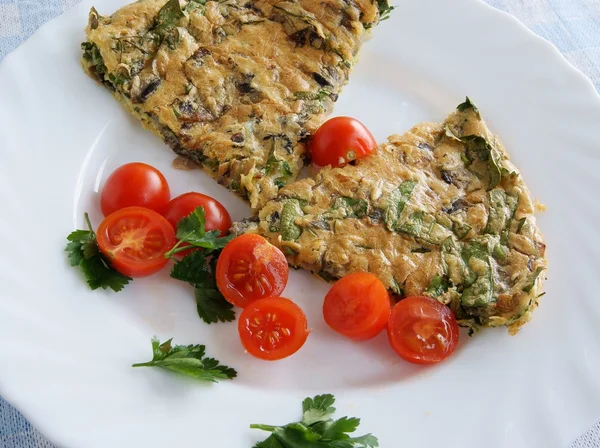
{"x": 317, "y": 429}
{"x": 188, "y": 360}
{"x": 198, "y": 267}
{"x": 199, "y": 272}
{"x": 83, "y": 252}
{"x": 191, "y": 230}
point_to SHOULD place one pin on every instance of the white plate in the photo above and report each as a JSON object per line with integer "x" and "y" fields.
{"x": 66, "y": 351}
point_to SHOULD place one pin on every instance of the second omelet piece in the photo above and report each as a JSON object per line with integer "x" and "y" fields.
{"x": 235, "y": 85}
{"x": 438, "y": 211}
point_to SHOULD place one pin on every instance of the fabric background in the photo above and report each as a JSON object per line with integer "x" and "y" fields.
{"x": 573, "y": 26}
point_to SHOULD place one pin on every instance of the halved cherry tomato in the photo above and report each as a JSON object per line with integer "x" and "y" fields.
{"x": 357, "y": 306}
{"x": 422, "y": 330}
{"x": 135, "y": 184}
{"x": 251, "y": 268}
{"x": 272, "y": 328}
{"x": 341, "y": 140}
{"x": 217, "y": 218}
{"x": 135, "y": 240}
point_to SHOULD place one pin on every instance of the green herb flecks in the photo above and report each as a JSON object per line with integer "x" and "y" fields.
{"x": 91, "y": 53}
{"x": 425, "y": 227}
{"x": 397, "y": 288}
{"x": 275, "y": 166}
{"x": 83, "y": 252}
{"x": 396, "y": 202}
{"x": 460, "y": 229}
{"x": 479, "y": 285}
{"x": 168, "y": 16}
{"x": 531, "y": 279}
{"x": 502, "y": 207}
{"x": 501, "y": 211}
{"x": 468, "y": 104}
{"x": 438, "y": 286}
{"x": 290, "y": 231}
{"x": 319, "y": 95}
{"x": 384, "y": 9}
{"x": 317, "y": 429}
{"x": 188, "y": 360}
{"x": 477, "y": 147}
{"x": 346, "y": 207}
{"x": 165, "y": 25}
{"x": 195, "y": 4}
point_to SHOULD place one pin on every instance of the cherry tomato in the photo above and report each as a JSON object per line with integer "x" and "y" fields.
{"x": 273, "y": 328}
{"x": 357, "y": 306}
{"x": 135, "y": 240}
{"x": 422, "y": 330}
{"x": 341, "y": 140}
{"x": 251, "y": 268}
{"x": 217, "y": 217}
{"x": 135, "y": 184}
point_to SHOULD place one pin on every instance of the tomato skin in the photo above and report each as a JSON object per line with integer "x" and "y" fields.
{"x": 135, "y": 240}
{"x": 135, "y": 184}
{"x": 250, "y": 268}
{"x": 272, "y": 328}
{"x": 422, "y": 330}
{"x": 217, "y": 217}
{"x": 341, "y": 140}
{"x": 357, "y": 306}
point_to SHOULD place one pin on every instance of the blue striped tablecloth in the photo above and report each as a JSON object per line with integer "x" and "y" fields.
{"x": 572, "y": 25}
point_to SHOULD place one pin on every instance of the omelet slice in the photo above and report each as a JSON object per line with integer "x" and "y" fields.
{"x": 234, "y": 85}
{"x": 439, "y": 211}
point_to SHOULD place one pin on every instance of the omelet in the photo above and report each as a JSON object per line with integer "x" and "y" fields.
{"x": 237, "y": 86}
{"x": 439, "y": 211}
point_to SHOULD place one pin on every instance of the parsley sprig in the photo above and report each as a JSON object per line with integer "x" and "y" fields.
{"x": 198, "y": 268}
{"x": 317, "y": 429}
{"x": 191, "y": 230}
{"x": 188, "y": 360}
{"x": 83, "y": 252}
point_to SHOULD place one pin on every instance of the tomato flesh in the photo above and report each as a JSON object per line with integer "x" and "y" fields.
{"x": 135, "y": 240}
{"x": 250, "y": 268}
{"x": 422, "y": 330}
{"x": 272, "y": 328}
{"x": 357, "y": 306}
{"x": 135, "y": 184}
{"x": 341, "y": 140}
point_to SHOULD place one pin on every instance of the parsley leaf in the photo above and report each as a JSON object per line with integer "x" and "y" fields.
{"x": 198, "y": 270}
{"x": 188, "y": 360}
{"x": 193, "y": 268}
{"x": 191, "y": 230}
{"x": 318, "y": 408}
{"x": 212, "y": 306}
{"x": 317, "y": 429}
{"x": 83, "y": 251}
